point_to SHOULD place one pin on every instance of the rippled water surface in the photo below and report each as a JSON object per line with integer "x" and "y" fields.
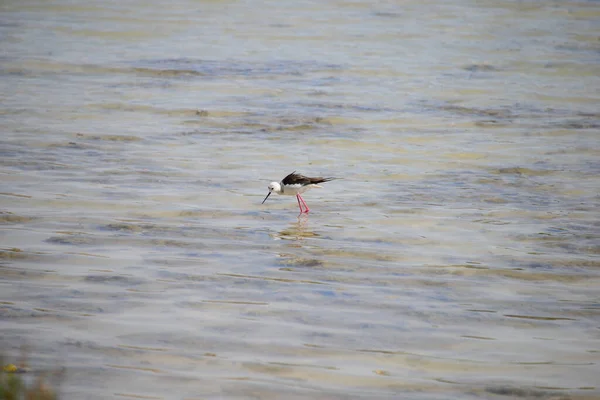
{"x": 458, "y": 257}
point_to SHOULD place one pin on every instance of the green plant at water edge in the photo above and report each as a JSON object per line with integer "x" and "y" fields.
{"x": 14, "y": 387}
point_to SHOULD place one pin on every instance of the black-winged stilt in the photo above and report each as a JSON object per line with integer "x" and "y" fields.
{"x": 294, "y": 185}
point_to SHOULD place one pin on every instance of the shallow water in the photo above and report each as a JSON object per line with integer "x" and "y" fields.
{"x": 457, "y": 258}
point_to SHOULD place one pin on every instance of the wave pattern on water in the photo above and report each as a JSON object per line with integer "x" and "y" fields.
{"x": 457, "y": 257}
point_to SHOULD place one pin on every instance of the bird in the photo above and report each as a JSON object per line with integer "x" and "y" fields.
{"x": 294, "y": 185}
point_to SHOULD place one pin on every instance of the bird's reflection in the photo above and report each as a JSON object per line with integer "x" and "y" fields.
{"x": 297, "y": 230}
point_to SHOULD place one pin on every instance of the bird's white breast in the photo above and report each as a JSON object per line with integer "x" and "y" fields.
{"x": 292, "y": 190}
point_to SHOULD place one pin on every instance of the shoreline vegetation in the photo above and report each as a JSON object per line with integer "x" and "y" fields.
{"x": 19, "y": 382}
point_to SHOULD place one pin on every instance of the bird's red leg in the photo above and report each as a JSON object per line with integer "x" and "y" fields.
{"x": 299, "y": 205}
{"x": 303, "y": 202}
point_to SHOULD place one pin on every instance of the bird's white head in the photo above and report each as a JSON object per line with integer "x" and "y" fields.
{"x": 273, "y": 187}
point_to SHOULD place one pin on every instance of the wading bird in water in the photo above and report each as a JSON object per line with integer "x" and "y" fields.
{"x": 294, "y": 185}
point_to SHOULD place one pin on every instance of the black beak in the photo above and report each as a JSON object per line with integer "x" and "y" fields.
{"x": 266, "y": 198}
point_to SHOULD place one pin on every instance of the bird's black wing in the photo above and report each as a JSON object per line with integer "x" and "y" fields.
{"x": 297, "y": 179}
